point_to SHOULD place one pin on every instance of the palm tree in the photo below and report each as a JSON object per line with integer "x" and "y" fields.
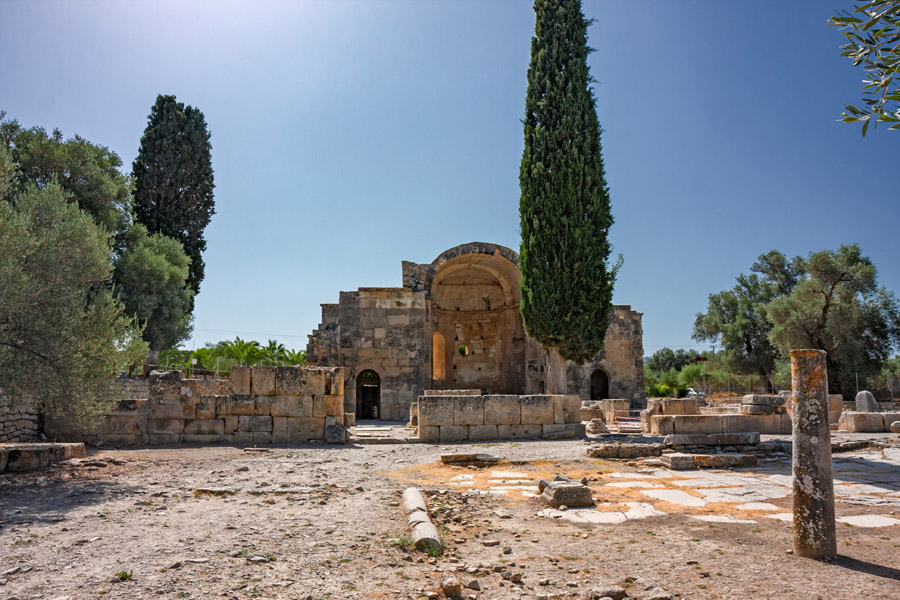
{"x": 246, "y": 352}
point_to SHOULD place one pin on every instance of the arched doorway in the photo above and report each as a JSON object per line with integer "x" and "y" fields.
{"x": 368, "y": 394}
{"x": 599, "y": 385}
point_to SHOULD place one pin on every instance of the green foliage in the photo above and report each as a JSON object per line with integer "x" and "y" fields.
{"x": 872, "y": 30}
{"x": 666, "y": 358}
{"x": 151, "y": 274}
{"x": 89, "y": 173}
{"x": 838, "y": 307}
{"x": 564, "y": 207}
{"x": 223, "y": 355}
{"x": 173, "y": 179}
{"x": 61, "y": 329}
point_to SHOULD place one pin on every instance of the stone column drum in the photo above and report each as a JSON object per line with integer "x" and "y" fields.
{"x": 814, "y": 529}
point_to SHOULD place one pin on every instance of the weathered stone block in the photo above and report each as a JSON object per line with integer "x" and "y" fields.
{"x": 482, "y": 432}
{"x": 662, "y": 425}
{"x": 501, "y": 410}
{"x": 254, "y": 423}
{"x": 315, "y": 382}
{"x": 334, "y": 431}
{"x": 429, "y": 433}
{"x": 861, "y": 422}
{"x": 468, "y": 410}
{"x": 172, "y": 410}
{"x": 536, "y": 410}
{"x": 577, "y": 429}
{"x": 235, "y": 405}
{"x": 239, "y": 378}
{"x": 172, "y": 426}
{"x": 571, "y": 404}
{"x": 288, "y": 381}
{"x": 865, "y": 402}
{"x": 317, "y": 404}
{"x": 242, "y": 437}
{"x": 677, "y": 461}
{"x": 762, "y": 400}
{"x": 163, "y": 439}
{"x": 349, "y": 419}
{"x": 513, "y": 432}
{"x": 231, "y": 424}
{"x": 262, "y": 437}
{"x": 890, "y": 417}
{"x": 757, "y": 409}
{"x": 435, "y": 411}
{"x": 121, "y": 425}
{"x": 262, "y": 381}
{"x": 566, "y": 493}
{"x": 724, "y": 461}
{"x": 558, "y": 416}
{"x": 206, "y": 407}
{"x": 298, "y": 430}
{"x": 204, "y": 427}
{"x": 698, "y": 424}
{"x": 746, "y": 438}
{"x": 552, "y": 428}
{"x": 203, "y": 438}
{"x": 835, "y": 407}
{"x": 454, "y": 433}
{"x": 334, "y": 406}
{"x": 291, "y": 406}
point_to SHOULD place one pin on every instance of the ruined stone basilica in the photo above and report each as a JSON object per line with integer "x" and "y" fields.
{"x": 455, "y": 324}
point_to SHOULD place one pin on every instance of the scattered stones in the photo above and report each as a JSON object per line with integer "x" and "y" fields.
{"x": 451, "y": 586}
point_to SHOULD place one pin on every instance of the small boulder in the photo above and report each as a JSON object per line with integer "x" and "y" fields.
{"x": 451, "y": 586}
{"x": 865, "y": 402}
{"x": 895, "y": 427}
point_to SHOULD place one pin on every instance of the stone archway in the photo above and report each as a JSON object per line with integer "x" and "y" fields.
{"x": 368, "y": 395}
{"x": 599, "y": 385}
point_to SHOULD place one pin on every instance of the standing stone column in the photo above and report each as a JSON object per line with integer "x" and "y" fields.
{"x": 814, "y": 530}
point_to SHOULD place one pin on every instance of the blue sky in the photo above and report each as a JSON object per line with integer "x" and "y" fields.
{"x": 348, "y": 136}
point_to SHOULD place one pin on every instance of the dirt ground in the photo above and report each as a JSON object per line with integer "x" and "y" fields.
{"x": 315, "y": 522}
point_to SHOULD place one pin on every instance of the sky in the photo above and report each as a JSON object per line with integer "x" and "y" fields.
{"x": 348, "y": 136}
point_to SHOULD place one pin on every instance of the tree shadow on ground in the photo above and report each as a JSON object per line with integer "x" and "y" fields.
{"x": 27, "y": 502}
{"x": 868, "y": 568}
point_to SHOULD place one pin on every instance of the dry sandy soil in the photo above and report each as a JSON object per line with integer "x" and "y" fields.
{"x": 324, "y": 522}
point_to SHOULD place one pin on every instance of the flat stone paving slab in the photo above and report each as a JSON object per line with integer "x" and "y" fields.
{"x": 675, "y": 497}
{"x": 757, "y": 506}
{"x": 868, "y": 521}
{"x": 633, "y": 484}
{"x": 724, "y": 519}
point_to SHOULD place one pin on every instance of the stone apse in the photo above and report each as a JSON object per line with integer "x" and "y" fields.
{"x": 455, "y": 325}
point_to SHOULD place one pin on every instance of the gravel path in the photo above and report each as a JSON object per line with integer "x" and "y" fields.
{"x": 315, "y": 522}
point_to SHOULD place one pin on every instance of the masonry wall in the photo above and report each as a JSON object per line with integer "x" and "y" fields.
{"x": 478, "y": 418}
{"x": 19, "y": 422}
{"x": 622, "y": 358}
{"x": 255, "y": 405}
{"x": 383, "y": 330}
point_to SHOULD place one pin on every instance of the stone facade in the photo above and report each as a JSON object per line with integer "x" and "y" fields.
{"x": 19, "y": 422}
{"x": 255, "y": 405}
{"x": 455, "y": 324}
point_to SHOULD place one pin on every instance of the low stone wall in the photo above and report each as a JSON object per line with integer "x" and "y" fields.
{"x": 668, "y": 406}
{"x": 607, "y": 409}
{"x": 479, "y": 418}
{"x": 255, "y": 405}
{"x": 728, "y": 423}
{"x": 19, "y": 422}
{"x": 867, "y": 422}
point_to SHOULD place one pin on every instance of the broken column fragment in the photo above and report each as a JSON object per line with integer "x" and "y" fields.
{"x": 424, "y": 533}
{"x": 814, "y": 529}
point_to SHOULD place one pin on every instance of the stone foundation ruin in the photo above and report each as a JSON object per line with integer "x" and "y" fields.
{"x": 455, "y": 324}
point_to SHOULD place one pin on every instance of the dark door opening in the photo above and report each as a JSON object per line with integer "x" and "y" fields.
{"x": 368, "y": 394}
{"x": 599, "y": 385}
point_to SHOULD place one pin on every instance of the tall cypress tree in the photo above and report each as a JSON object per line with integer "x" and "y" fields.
{"x": 173, "y": 179}
{"x": 567, "y": 283}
